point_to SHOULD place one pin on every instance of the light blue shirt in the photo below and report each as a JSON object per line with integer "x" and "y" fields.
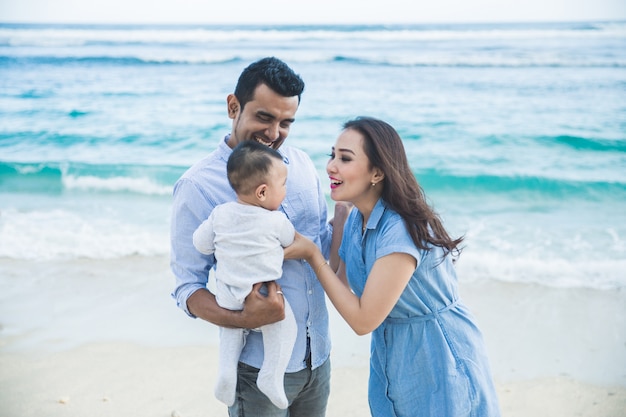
{"x": 203, "y": 187}
{"x": 428, "y": 357}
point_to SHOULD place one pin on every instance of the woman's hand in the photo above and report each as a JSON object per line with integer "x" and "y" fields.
{"x": 342, "y": 210}
{"x": 301, "y": 248}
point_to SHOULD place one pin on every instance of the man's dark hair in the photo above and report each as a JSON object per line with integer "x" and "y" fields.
{"x": 249, "y": 164}
{"x": 272, "y": 72}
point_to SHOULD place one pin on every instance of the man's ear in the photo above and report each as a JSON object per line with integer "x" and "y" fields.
{"x": 232, "y": 105}
{"x": 261, "y": 192}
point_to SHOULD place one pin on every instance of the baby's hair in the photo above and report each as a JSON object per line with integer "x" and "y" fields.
{"x": 249, "y": 164}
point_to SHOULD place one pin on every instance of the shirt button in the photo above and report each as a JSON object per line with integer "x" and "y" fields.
{"x": 310, "y": 292}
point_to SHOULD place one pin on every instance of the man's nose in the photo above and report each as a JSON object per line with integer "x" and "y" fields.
{"x": 272, "y": 131}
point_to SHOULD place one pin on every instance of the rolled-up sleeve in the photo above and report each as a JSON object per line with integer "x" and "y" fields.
{"x": 190, "y": 207}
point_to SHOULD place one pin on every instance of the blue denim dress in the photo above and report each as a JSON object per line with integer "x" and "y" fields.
{"x": 428, "y": 357}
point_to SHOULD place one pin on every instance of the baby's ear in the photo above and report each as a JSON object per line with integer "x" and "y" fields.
{"x": 261, "y": 192}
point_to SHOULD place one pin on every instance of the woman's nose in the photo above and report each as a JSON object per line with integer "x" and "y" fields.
{"x": 330, "y": 166}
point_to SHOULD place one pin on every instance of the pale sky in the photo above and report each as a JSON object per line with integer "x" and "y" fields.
{"x": 308, "y": 11}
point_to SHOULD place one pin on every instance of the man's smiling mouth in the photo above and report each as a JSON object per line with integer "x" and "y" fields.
{"x": 262, "y": 141}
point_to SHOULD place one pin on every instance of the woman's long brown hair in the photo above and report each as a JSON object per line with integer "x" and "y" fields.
{"x": 401, "y": 191}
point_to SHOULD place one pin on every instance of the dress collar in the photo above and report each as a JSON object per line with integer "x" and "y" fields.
{"x": 377, "y": 214}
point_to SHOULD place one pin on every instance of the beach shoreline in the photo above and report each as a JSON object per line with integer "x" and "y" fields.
{"x": 103, "y": 337}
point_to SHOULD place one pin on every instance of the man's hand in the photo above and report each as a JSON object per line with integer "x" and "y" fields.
{"x": 259, "y": 310}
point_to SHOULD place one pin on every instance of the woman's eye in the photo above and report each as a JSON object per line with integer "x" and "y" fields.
{"x": 341, "y": 158}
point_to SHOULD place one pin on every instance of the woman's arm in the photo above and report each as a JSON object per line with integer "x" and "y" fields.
{"x": 385, "y": 283}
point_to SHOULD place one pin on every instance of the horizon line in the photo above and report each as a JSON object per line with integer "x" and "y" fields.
{"x": 284, "y": 24}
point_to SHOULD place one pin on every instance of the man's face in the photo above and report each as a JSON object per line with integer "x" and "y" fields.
{"x": 267, "y": 118}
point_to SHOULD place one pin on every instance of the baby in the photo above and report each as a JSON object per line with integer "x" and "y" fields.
{"x": 247, "y": 237}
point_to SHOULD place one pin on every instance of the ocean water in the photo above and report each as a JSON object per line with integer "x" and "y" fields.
{"x": 517, "y": 132}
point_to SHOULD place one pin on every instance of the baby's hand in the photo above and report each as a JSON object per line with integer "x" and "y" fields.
{"x": 301, "y": 248}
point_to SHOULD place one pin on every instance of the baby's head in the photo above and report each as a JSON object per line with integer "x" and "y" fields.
{"x": 258, "y": 174}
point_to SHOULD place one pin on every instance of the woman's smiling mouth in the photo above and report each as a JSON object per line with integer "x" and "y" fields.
{"x": 334, "y": 183}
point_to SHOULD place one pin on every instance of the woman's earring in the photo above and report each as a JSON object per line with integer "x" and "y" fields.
{"x": 373, "y": 184}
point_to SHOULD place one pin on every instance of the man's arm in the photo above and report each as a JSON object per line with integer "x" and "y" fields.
{"x": 258, "y": 309}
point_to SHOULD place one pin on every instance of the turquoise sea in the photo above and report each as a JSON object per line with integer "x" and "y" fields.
{"x": 517, "y": 132}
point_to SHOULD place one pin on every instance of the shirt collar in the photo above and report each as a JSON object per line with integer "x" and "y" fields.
{"x": 224, "y": 149}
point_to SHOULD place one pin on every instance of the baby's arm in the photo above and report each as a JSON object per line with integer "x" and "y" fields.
{"x": 287, "y": 233}
{"x": 204, "y": 237}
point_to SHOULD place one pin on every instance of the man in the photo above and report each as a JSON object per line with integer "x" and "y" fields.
{"x": 262, "y": 109}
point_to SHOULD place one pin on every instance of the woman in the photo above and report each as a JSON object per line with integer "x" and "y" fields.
{"x": 396, "y": 279}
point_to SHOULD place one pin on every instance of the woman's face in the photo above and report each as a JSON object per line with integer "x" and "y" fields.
{"x": 349, "y": 169}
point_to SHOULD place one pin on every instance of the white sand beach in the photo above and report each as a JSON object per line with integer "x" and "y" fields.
{"x": 103, "y": 338}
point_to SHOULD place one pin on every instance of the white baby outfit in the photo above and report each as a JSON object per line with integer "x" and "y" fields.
{"x": 247, "y": 242}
